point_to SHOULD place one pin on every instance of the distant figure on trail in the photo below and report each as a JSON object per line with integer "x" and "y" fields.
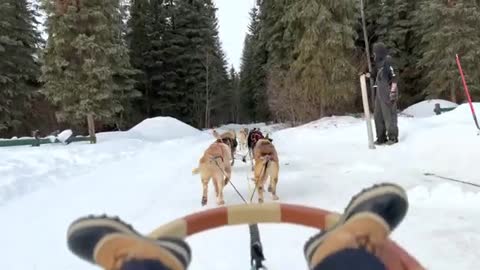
{"x": 355, "y": 242}
{"x": 386, "y": 96}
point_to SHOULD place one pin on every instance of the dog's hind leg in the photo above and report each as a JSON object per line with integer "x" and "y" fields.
{"x": 228, "y": 173}
{"x": 219, "y": 183}
{"x": 273, "y": 171}
{"x": 205, "y": 190}
{"x": 260, "y": 177}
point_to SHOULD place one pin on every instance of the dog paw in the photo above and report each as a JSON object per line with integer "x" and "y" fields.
{"x": 260, "y": 200}
{"x": 270, "y": 189}
{"x": 220, "y": 202}
{"x": 275, "y": 198}
{"x": 204, "y": 201}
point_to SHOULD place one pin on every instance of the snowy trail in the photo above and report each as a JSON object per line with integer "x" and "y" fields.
{"x": 145, "y": 178}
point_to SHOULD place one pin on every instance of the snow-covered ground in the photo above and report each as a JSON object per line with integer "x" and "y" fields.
{"x": 426, "y": 107}
{"x": 144, "y": 176}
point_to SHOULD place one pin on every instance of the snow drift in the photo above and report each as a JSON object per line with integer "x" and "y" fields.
{"x": 162, "y": 128}
{"x": 425, "y": 108}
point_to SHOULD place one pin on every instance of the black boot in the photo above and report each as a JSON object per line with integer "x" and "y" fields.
{"x": 380, "y": 141}
{"x": 392, "y": 141}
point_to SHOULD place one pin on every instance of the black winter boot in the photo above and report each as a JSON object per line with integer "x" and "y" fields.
{"x": 392, "y": 141}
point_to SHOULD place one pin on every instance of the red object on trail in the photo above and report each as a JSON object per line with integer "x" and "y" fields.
{"x": 465, "y": 87}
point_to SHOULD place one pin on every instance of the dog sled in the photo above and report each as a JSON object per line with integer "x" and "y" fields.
{"x": 253, "y": 214}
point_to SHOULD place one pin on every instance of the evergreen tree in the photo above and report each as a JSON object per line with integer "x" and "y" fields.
{"x": 273, "y": 32}
{"x": 194, "y": 67}
{"x": 449, "y": 28}
{"x": 253, "y": 71}
{"x": 322, "y": 72}
{"x": 235, "y": 96}
{"x": 19, "y": 68}
{"x": 398, "y": 30}
{"x": 247, "y": 100}
{"x": 86, "y": 63}
{"x": 140, "y": 45}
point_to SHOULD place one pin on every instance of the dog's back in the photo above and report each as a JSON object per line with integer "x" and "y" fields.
{"x": 266, "y": 165}
{"x": 264, "y": 147}
{"x": 253, "y": 137}
{"x": 217, "y": 150}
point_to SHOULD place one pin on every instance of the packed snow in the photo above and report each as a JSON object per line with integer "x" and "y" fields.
{"x": 144, "y": 176}
{"x": 161, "y": 129}
{"x": 426, "y": 107}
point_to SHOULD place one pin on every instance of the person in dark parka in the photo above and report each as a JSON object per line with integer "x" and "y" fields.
{"x": 386, "y": 95}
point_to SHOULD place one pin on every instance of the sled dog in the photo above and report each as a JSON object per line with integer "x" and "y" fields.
{"x": 242, "y": 138}
{"x": 266, "y": 165}
{"x": 230, "y": 139}
{"x": 215, "y": 165}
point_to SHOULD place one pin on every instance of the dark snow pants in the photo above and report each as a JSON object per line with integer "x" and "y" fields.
{"x": 386, "y": 123}
{"x": 347, "y": 259}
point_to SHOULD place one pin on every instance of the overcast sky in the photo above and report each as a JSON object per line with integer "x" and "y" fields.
{"x": 233, "y": 20}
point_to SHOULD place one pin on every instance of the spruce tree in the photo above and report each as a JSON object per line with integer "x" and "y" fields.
{"x": 139, "y": 36}
{"x": 322, "y": 73}
{"x": 235, "y": 96}
{"x": 19, "y": 68}
{"x": 86, "y": 63}
{"x": 194, "y": 67}
{"x": 246, "y": 80}
{"x": 398, "y": 30}
{"x": 253, "y": 71}
{"x": 449, "y": 28}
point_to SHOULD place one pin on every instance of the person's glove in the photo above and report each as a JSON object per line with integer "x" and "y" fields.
{"x": 393, "y": 96}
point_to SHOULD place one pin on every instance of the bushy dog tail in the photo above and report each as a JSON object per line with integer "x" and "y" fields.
{"x": 216, "y": 135}
{"x": 195, "y": 171}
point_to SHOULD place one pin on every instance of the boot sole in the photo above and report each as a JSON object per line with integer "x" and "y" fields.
{"x": 183, "y": 254}
{"x": 364, "y": 195}
{"x": 101, "y": 221}
{"x": 85, "y": 249}
{"x": 368, "y": 194}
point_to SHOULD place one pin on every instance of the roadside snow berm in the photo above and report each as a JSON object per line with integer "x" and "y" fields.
{"x": 162, "y": 129}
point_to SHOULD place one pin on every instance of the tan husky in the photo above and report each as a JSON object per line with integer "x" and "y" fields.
{"x": 242, "y": 138}
{"x": 266, "y": 165}
{"x": 215, "y": 164}
{"x": 229, "y": 138}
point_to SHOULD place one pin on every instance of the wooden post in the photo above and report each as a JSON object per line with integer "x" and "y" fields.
{"x": 91, "y": 129}
{"x": 367, "y": 49}
{"x": 366, "y": 109}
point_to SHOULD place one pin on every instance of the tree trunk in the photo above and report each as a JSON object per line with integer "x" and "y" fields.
{"x": 453, "y": 94}
{"x": 207, "y": 98}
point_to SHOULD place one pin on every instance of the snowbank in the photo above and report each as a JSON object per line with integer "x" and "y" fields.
{"x": 425, "y": 108}
{"x": 462, "y": 113}
{"x": 162, "y": 128}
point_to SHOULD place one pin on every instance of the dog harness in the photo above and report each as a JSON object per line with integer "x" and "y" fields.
{"x": 255, "y": 136}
